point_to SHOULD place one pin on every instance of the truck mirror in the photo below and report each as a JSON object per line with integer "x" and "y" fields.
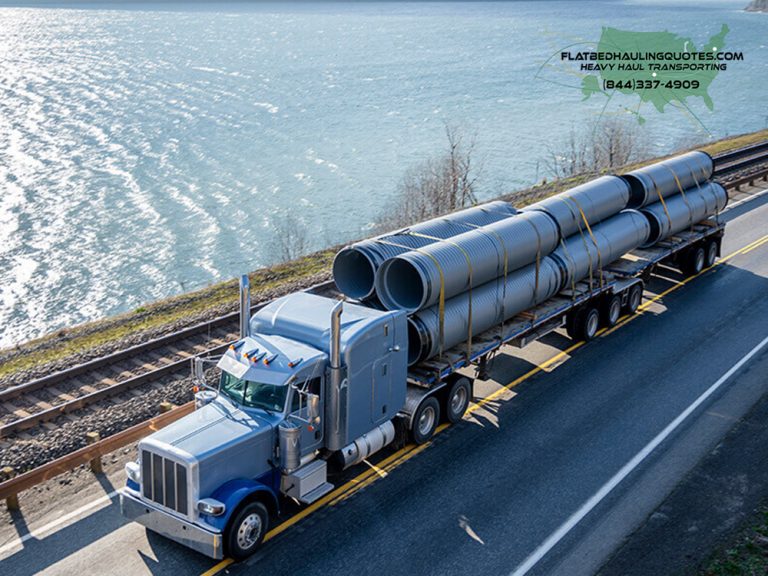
{"x": 198, "y": 372}
{"x": 313, "y": 408}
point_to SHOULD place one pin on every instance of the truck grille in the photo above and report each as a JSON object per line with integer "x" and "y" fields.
{"x": 164, "y": 481}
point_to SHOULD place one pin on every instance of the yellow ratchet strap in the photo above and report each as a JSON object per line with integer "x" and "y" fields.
{"x": 469, "y": 270}
{"x": 583, "y": 239}
{"x": 573, "y": 265}
{"x": 594, "y": 241}
{"x": 682, "y": 193}
{"x": 488, "y": 233}
{"x": 661, "y": 199}
{"x": 441, "y": 304}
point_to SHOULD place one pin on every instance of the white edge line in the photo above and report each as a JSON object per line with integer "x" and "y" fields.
{"x": 37, "y": 532}
{"x": 606, "y": 489}
{"x": 745, "y": 200}
{"x": 532, "y": 560}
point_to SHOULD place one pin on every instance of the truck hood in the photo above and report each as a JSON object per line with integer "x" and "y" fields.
{"x": 216, "y": 428}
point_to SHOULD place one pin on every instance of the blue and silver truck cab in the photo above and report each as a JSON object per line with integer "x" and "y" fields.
{"x": 303, "y": 387}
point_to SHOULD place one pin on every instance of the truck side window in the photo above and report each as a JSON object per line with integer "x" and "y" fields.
{"x": 313, "y": 387}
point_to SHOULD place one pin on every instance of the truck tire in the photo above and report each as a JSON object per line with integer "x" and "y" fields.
{"x": 457, "y": 399}
{"x": 711, "y": 254}
{"x": 246, "y": 530}
{"x": 585, "y": 323}
{"x": 425, "y": 420}
{"x": 634, "y": 298}
{"x": 693, "y": 261}
{"x": 611, "y": 310}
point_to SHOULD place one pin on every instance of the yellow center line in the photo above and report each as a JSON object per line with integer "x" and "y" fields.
{"x": 755, "y": 246}
{"x": 404, "y": 454}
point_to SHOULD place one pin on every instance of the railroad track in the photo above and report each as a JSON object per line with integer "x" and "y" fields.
{"x": 154, "y": 362}
{"x": 47, "y": 398}
{"x": 741, "y": 159}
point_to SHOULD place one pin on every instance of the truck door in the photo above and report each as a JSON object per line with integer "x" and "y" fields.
{"x": 382, "y": 390}
{"x": 310, "y": 439}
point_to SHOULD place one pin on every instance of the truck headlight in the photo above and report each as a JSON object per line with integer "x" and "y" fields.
{"x": 211, "y": 507}
{"x": 133, "y": 471}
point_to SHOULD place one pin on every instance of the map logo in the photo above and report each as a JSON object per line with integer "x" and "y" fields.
{"x": 662, "y": 69}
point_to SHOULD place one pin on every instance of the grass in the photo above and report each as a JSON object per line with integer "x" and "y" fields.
{"x": 64, "y": 343}
{"x": 747, "y": 556}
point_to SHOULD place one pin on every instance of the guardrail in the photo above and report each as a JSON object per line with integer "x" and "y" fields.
{"x": 9, "y": 489}
{"x": 92, "y": 453}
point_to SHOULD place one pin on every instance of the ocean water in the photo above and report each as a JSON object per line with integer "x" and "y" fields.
{"x": 147, "y": 150}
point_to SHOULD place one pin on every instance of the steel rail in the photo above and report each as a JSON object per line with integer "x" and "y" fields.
{"x": 119, "y": 387}
{"x": 11, "y": 487}
{"x": 27, "y": 480}
{"x": 724, "y": 163}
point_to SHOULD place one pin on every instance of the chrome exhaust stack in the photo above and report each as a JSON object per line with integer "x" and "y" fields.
{"x": 245, "y": 306}
{"x": 332, "y": 407}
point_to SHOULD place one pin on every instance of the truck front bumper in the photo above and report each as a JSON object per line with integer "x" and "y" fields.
{"x": 172, "y": 527}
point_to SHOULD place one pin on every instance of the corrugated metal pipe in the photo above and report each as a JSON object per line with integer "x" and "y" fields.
{"x": 679, "y": 212}
{"x": 491, "y": 304}
{"x": 354, "y": 268}
{"x": 586, "y": 253}
{"x": 593, "y": 201}
{"x": 668, "y": 177}
{"x": 579, "y": 256}
{"x": 414, "y": 280}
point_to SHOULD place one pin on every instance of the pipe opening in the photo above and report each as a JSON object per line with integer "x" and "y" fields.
{"x": 655, "y": 225}
{"x": 637, "y": 190}
{"x": 417, "y": 342}
{"x": 401, "y": 285}
{"x": 354, "y": 273}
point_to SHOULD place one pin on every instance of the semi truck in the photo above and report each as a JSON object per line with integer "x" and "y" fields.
{"x": 315, "y": 384}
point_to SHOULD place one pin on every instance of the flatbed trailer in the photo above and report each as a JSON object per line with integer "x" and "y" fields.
{"x": 690, "y": 251}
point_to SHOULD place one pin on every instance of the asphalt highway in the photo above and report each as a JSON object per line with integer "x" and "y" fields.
{"x": 546, "y": 478}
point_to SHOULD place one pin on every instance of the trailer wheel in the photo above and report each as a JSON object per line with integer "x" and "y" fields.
{"x": 611, "y": 310}
{"x": 457, "y": 399}
{"x": 585, "y": 323}
{"x": 425, "y": 420}
{"x": 711, "y": 254}
{"x": 634, "y": 298}
{"x": 693, "y": 261}
{"x": 247, "y": 530}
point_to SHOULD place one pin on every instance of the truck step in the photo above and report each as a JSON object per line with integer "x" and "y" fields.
{"x": 317, "y": 493}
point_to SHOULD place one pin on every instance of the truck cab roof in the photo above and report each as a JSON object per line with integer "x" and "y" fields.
{"x": 271, "y": 359}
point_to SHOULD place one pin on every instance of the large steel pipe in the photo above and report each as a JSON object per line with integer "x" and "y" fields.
{"x": 354, "y": 268}
{"x": 668, "y": 177}
{"x": 491, "y": 303}
{"x": 593, "y": 201}
{"x": 586, "y": 253}
{"x": 413, "y": 280}
{"x": 683, "y": 210}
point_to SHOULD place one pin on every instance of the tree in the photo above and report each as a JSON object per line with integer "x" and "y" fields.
{"x": 290, "y": 239}
{"x": 436, "y": 186}
{"x": 601, "y": 145}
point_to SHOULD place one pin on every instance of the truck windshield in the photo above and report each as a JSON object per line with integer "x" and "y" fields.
{"x": 254, "y": 394}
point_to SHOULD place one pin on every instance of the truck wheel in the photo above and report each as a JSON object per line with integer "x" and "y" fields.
{"x": 611, "y": 310}
{"x": 247, "y": 530}
{"x": 425, "y": 420}
{"x": 634, "y": 298}
{"x": 711, "y": 254}
{"x": 585, "y": 323}
{"x": 693, "y": 261}
{"x": 457, "y": 399}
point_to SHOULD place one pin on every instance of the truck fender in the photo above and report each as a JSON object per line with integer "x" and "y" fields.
{"x": 235, "y": 492}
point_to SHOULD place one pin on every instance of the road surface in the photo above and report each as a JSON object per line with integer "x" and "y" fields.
{"x": 546, "y": 478}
